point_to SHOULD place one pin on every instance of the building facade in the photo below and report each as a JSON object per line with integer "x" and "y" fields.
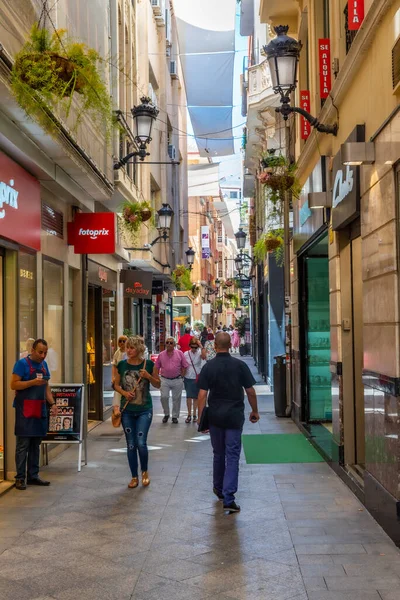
{"x": 48, "y": 177}
{"x": 343, "y": 317}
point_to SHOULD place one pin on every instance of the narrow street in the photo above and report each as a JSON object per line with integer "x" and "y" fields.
{"x": 301, "y": 532}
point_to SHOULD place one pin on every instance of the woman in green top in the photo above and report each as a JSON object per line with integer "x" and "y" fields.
{"x": 132, "y": 381}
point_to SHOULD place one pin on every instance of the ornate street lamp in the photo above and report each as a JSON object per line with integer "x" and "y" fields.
{"x": 239, "y": 263}
{"x": 144, "y": 115}
{"x": 240, "y": 238}
{"x": 190, "y": 254}
{"x": 283, "y": 53}
{"x": 165, "y": 215}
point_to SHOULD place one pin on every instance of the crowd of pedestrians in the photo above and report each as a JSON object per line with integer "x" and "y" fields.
{"x": 201, "y": 363}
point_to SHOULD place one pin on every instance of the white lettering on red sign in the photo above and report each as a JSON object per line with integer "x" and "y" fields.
{"x": 355, "y": 14}
{"x": 305, "y": 104}
{"x": 8, "y": 196}
{"x": 94, "y": 233}
{"x": 324, "y": 67}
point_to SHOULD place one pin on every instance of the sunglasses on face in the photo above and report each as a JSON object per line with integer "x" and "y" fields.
{"x": 170, "y": 343}
{"x": 193, "y": 346}
{"x": 121, "y": 341}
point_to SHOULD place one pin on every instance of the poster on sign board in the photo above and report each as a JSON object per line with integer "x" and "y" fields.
{"x": 67, "y": 424}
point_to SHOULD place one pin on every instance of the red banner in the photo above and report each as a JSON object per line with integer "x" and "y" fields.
{"x": 20, "y": 204}
{"x": 355, "y": 14}
{"x": 324, "y": 52}
{"x": 92, "y": 233}
{"x": 305, "y": 104}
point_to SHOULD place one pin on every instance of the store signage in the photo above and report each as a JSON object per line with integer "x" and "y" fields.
{"x": 92, "y": 233}
{"x": 24, "y": 274}
{"x": 346, "y": 186}
{"x": 205, "y": 241}
{"x": 355, "y": 14}
{"x": 137, "y": 284}
{"x": 158, "y": 287}
{"x": 67, "y": 424}
{"x": 305, "y": 104}
{"x": 20, "y": 204}
{"x": 324, "y": 52}
{"x": 342, "y": 186}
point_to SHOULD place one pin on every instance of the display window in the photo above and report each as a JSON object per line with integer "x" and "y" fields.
{"x": 27, "y": 302}
{"x": 53, "y": 317}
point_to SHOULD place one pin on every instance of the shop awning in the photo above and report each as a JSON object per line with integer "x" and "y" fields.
{"x": 206, "y": 33}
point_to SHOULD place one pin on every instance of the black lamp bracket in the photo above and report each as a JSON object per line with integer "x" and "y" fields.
{"x": 285, "y": 110}
{"x": 163, "y": 236}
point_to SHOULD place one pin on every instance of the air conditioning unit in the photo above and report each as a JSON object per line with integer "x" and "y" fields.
{"x": 173, "y": 69}
{"x": 172, "y": 151}
{"x": 156, "y": 6}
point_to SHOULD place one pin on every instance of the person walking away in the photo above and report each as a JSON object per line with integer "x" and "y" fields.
{"x": 119, "y": 354}
{"x": 203, "y": 336}
{"x": 30, "y": 381}
{"x": 235, "y": 340}
{"x": 132, "y": 382}
{"x": 224, "y": 378}
{"x": 172, "y": 365}
{"x": 196, "y": 357}
{"x": 184, "y": 341}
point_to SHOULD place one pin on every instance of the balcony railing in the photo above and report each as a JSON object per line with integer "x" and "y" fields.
{"x": 260, "y": 83}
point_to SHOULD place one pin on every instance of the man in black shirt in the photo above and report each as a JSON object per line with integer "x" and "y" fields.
{"x": 225, "y": 377}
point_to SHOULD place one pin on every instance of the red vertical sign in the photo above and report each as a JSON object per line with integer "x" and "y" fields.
{"x": 324, "y": 51}
{"x": 355, "y": 14}
{"x": 305, "y": 103}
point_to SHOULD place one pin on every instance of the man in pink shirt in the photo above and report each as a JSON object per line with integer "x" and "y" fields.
{"x": 171, "y": 365}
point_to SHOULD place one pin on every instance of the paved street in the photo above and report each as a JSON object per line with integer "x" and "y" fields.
{"x": 301, "y": 533}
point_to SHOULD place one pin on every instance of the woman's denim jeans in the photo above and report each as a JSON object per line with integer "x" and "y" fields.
{"x": 136, "y": 427}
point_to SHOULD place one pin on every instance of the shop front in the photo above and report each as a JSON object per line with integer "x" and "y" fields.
{"x": 101, "y": 338}
{"x": 311, "y": 349}
{"x": 347, "y": 316}
{"x": 20, "y": 240}
{"x": 139, "y": 310}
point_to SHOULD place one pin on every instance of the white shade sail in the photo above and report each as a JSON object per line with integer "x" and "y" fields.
{"x": 206, "y": 33}
{"x": 203, "y": 180}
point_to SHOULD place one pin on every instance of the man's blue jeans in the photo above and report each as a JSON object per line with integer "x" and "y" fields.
{"x": 136, "y": 427}
{"x": 227, "y": 444}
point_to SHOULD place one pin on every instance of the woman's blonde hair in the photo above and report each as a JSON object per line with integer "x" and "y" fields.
{"x": 137, "y": 343}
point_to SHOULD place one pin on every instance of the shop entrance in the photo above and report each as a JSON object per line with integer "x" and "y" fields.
{"x": 352, "y": 349}
{"x": 316, "y": 344}
{"x": 94, "y": 353}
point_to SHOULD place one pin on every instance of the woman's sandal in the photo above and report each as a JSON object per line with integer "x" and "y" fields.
{"x": 188, "y": 419}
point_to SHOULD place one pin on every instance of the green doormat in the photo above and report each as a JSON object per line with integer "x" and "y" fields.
{"x": 279, "y": 448}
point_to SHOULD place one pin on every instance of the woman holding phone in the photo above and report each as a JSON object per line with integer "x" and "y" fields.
{"x": 132, "y": 381}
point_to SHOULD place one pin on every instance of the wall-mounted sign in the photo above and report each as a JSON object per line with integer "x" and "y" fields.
{"x": 20, "y": 204}
{"x": 305, "y": 213}
{"x": 324, "y": 53}
{"x": 25, "y": 274}
{"x": 205, "y": 241}
{"x": 305, "y": 104}
{"x": 92, "y": 233}
{"x": 137, "y": 284}
{"x": 355, "y": 14}
{"x": 158, "y": 287}
{"x": 346, "y": 186}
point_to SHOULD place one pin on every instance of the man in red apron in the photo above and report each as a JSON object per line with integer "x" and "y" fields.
{"x": 30, "y": 379}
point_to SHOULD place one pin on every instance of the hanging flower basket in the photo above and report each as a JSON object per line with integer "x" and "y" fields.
{"x": 279, "y": 183}
{"x": 134, "y": 214}
{"x": 47, "y": 71}
{"x": 229, "y": 283}
{"x": 269, "y": 242}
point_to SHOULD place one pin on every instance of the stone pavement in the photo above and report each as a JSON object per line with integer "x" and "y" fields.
{"x": 301, "y": 534}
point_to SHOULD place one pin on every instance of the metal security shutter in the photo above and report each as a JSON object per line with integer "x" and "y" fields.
{"x": 396, "y": 64}
{"x": 52, "y": 221}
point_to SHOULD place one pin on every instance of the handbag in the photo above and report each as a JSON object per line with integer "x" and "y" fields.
{"x": 116, "y": 419}
{"x": 194, "y": 368}
{"x": 204, "y": 424}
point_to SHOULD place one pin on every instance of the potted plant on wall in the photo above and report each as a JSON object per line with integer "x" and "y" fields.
{"x": 269, "y": 242}
{"x": 51, "y": 70}
{"x": 181, "y": 278}
{"x": 269, "y": 160}
{"x": 134, "y": 214}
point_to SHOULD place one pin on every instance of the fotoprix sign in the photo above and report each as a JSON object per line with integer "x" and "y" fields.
{"x": 137, "y": 284}
{"x": 92, "y": 233}
{"x": 20, "y": 204}
{"x": 346, "y": 186}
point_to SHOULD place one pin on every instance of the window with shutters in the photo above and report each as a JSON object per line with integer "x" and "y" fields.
{"x": 396, "y": 64}
{"x": 52, "y": 221}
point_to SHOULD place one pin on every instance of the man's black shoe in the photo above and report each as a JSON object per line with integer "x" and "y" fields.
{"x": 174, "y": 420}
{"x": 20, "y": 484}
{"x": 219, "y": 495}
{"x": 165, "y": 419}
{"x": 38, "y": 481}
{"x": 232, "y": 508}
